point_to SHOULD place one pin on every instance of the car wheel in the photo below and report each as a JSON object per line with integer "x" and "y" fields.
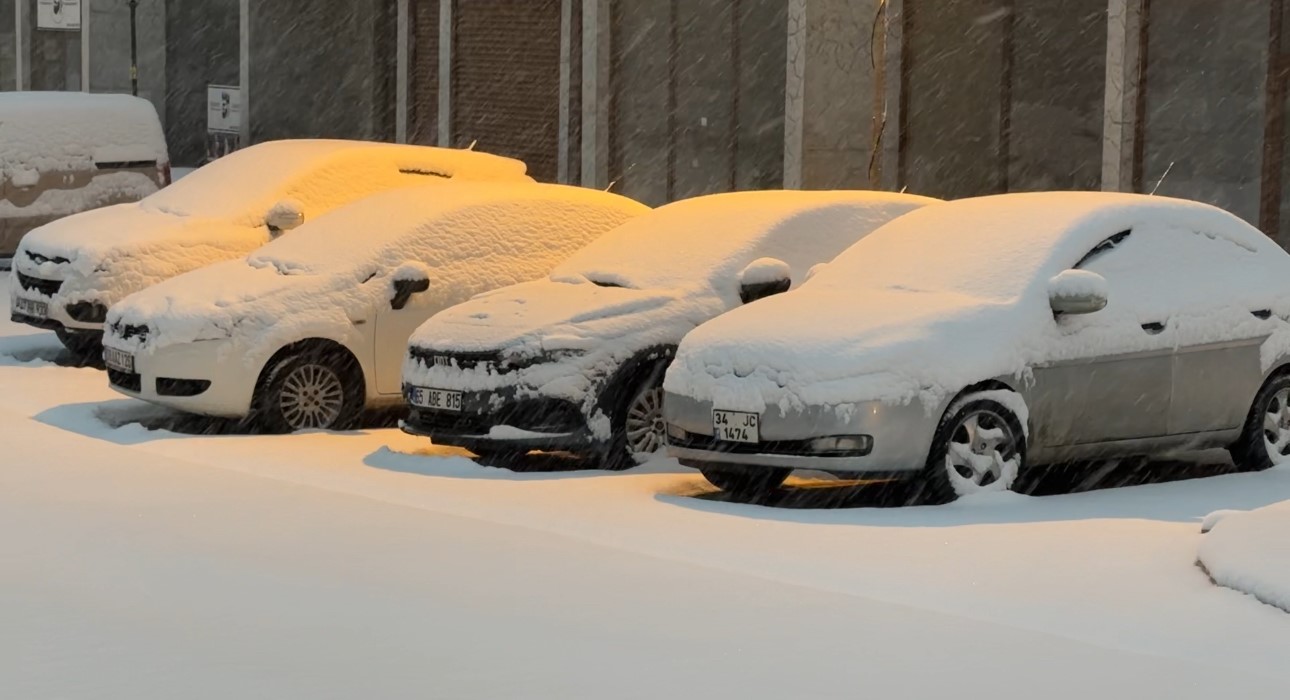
{"x": 311, "y": 390}
{"x": 1265, "y": 440}
{"x": 85, "y": 348}
{"x": 978, "y": 448}
{"x": 638, "y": 428}
{"x": 744, "y": 482}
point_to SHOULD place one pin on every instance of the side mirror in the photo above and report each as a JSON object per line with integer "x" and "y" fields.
{"x": 764, "y": 277}
{"x": 408, "y": 280}
{"x": 1077, "y": 292}
{"x": 284, "y": 216}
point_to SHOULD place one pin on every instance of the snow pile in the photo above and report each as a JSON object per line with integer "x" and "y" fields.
{"x": 958, "y": 293}
{"x": 219, "y": 211}
{"x": 46, "y": 132}
{"x": 1250, "y": 552}
{"x": 644, "y": 285}
{"x": 340, "y": 267}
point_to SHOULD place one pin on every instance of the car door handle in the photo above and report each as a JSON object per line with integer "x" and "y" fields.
{"x": 1154, "y": 327}
{"x": 1262, "y": 314}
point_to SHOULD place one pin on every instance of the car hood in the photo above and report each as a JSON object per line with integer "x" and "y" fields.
{"x": 110, "y": 252}
{"x": 234, "y": 299}
{"x": 839, "y": 346}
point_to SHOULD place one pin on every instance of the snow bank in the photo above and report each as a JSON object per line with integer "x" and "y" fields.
{"x": 1250, "y": 552}
{"x": 219, "y": 211}
{"x": 342, "y": 266}
{"x": 879, "y": 322}
{"x": 44, "y": 132}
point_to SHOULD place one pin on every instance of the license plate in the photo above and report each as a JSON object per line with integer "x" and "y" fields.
{"x": 435, "y": 399}
{"x": 31, "y": 307}
{"x": 736, "y": 426}
{"x": 118, "y": 360}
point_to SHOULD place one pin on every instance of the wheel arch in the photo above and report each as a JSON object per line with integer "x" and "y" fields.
{"x": 317, "y": 345}
{"x": 655, "y": 358}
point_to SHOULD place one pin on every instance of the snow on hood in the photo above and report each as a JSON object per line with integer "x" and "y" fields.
{"x": 706, "y": 241}
{"x": 955, "y": 294}
{"x": 44, "y": 132}
{"x": 543, "y": 315}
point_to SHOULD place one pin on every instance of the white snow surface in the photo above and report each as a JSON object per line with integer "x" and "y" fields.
{"x": 151, "y": 563}
{"x": 1250, "y": 552}
{"x": 645, "y": 285}
{"x": 313, "y": 282}
{"x": 764, "y": 270}
{"x": 218, "y": 212}
{"x": 147, "y": 563}
{"x": 1073, "y": 284}
{"x": 44, "y": 132}
{"x": 879, "y": 321}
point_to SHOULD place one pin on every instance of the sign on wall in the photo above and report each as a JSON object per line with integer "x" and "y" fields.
{"x": 223, "y": 120}
{"x": 58, "y": 14}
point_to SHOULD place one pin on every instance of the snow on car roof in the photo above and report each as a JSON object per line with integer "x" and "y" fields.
{"x": 316, "y": 172}
{"x": 375, "y": 230}
{"x": 705, "y": 239}
{"x": 962, "y": 246}
{"x": 51, "y": 131}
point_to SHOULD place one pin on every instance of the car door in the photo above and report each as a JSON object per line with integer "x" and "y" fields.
{"x": 1114, "y": 380}
{"x": 394, "y": 327}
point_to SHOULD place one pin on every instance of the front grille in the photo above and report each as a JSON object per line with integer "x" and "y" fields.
{"x": 490, "y": 362}
{"x": 130, "y": 381}
{"x": 126, "y": 331}
{"x": 34, "y": 284}
{"x": 792, "y": 448}
{"x": 537, "y": 415}
{"x": 167, "y": 386}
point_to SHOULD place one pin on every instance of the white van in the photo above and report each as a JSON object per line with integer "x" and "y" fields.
{"x": 62, "y": 153}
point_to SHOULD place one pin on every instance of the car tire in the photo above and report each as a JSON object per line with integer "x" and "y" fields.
{"x": 640, "y": 407}
{"x": 1259, "y": 439}
{"x": 85, "y": 348}
{"x": 317, "y": 388}
{"x": 745, "y": 483}
{"x": 961, "y": 462}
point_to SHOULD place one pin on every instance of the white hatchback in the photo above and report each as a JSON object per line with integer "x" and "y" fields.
{"x": 312, "y": 328}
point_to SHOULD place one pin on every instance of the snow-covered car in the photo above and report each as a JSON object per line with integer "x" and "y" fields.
{"x": 575, "y": 362}
{"x": 69, "y": 272}
{"x": 311, "y": 328}
{"x": 62, "y": 153}
{"x": 966, "y": 341}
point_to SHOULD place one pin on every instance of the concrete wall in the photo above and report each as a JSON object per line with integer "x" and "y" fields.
{"x": 8, "y": 48}
{"x": 1205, "y": 79}
{"x": 322, "y": 68}
{"x": 109, "y": 28}
{"x": 203, "y": 49}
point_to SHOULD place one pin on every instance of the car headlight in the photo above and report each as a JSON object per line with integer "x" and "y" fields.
{"x": 842, "y": 444}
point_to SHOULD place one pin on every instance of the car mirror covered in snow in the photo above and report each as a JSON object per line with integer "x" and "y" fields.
{"x": 764, "y": 277}
{"x": 1077, "y": 292}
{"x": 284, "y": 216}
{"x": 409, "y": 279}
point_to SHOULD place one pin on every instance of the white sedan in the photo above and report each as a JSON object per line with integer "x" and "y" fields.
{"x": 312, "y": 328}
{"x": 964, "y": 342}
{"x": 67, "y": 273}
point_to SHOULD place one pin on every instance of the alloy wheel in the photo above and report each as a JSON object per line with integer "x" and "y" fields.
{"x": 644, "y": 425}
{"x": 981, "y": 454}
{"x": 312, "y": 397}
{"x": 1276, "y": 426}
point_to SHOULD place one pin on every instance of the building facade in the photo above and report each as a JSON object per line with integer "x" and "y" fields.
{"x": 664, "y": 99}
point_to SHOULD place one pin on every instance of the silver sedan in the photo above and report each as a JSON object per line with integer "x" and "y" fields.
{"x": 964, "y": 342}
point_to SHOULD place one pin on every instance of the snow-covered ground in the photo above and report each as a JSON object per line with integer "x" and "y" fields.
{"x": 1250, "y": 552}
{"x": 146, "y": 563}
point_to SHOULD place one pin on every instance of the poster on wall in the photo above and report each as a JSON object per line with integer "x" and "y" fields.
{"x": 223, "y": 120}
{"x": 62, "y": 15}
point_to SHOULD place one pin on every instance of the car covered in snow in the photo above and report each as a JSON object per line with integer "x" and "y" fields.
{"x": 310, "y": 329}
{"x": 68, "y": 273}
{"x": 964, "y": 342}
{"x": 62, "y": 153}
{"x": 575, "y": 362}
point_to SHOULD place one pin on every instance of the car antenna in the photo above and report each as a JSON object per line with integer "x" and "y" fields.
{"x": 1162, "y": 177}
{"x": 471, "y": 147}
{"x": 611, "y": 184}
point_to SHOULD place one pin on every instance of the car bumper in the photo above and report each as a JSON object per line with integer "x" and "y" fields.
{"x": 205, "y": 377}
{"x": 901, "y": 437}
{"x": 58, "y": 310}
{"x": 501, "y": 419}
